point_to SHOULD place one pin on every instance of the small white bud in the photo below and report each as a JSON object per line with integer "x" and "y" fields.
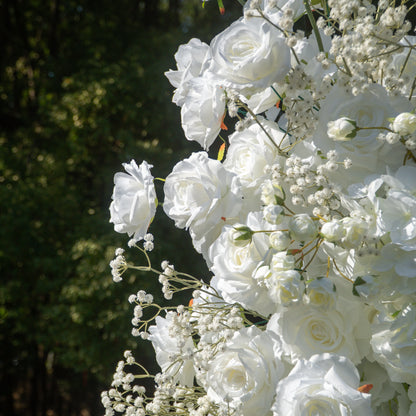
{"x": 332, "y": 231}
{"x": 404, "y": 123}
{"x": 279, "y": 240}
{"x": 342, "y": 129}
{"x": 302, "y": 227}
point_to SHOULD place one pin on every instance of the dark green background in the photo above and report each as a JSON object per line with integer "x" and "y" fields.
{"x": 82, "y": 90}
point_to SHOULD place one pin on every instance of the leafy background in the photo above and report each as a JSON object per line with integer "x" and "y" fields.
{"x": 82, "y": 90}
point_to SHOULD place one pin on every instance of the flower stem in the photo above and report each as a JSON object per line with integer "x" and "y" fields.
{"x": 314, "y": 25}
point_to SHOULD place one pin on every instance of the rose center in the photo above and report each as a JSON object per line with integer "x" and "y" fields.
{"x": 320, "y": 407}
{"x": 244, "y": 48}
{"x": 319, "y": 333}
{"x": 235, "y": 378}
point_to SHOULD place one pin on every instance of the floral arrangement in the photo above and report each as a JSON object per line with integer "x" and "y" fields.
{"x": 305, "y": 217}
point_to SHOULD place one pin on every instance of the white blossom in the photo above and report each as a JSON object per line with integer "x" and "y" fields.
{"x": 342, "y": 129}
{"x": 404, "y": 123}
{"x": 249, "y": 55}
{"x": 134, "y": 200}
{"x": 246, "y": 372}
{"x": 326, "y": 384}
{"x": 200, "y": 194}
{"x": 302, "y": 227}
{"x": 191, "y": 59}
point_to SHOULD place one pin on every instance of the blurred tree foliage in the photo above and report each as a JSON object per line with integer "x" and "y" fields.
{"x": 81, "y": 91}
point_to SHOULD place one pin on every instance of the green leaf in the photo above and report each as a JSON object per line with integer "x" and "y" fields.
{"x": 358, "y": 282}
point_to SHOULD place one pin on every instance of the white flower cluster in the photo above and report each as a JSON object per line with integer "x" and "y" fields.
{"x": 307, "y": 225}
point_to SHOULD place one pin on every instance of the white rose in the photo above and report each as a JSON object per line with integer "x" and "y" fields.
{"x": 233, "y": 266}
{"x": 200, "y": 194}
{"x": 228, "y": 257}
{"x": 251, "y": 150}
{"x": 321, "y": 293}
{"x": 302, "y": 227}
{"x": 171, "y": 352}
{"x": 250, "y": 55}
{"x": 246, "y": 373}
{"x": 342, "y": 129}
{"x": 368, "y": 154}
{"x": 354, "y": 230}
{"x": 285, "y": 287}
{"x": 281, "y": 262}
{"x": 404, "y": 123}
{"x": 280, "y": 240}
{"x": 306, "y": 330}
{"x": 394, "y": 344}
{"x": 191, "y": 60}
{"x": 134, "y": 200}
{"x": 203, "y": 111}
{"x": 332, "y": 231}
{"x": 326, "y": 384}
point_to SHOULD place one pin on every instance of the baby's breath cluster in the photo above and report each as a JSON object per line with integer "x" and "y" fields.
{"x": 365, "y": 41}
{"x": 310, "y": 185}
{"x": 125, "y": 396}
{"x": 118, "y": 265}
{"x": 300, "y": 102}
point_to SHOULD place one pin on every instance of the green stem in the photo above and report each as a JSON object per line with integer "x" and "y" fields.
{"x": 373, "y": 128}
{"x": 269, "y": 21}
{"x": 327, "y": 11}
{"x": 261, "y": 126}
{"x": 314, "y": 25}
{"x": 412, "y": 89}
{"x": 347, "y": 68}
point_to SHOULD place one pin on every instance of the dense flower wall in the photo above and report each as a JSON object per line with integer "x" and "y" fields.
{"x": 306, "y": 219}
